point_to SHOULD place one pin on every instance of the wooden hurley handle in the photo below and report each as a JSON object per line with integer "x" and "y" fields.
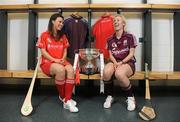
{"x": 147, "y": 82}
{"x": 27, "y": 107}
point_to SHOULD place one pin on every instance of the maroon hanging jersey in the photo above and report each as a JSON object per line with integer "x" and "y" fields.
{"x": 76, "y": 30}
{"x": 120, "y": 47}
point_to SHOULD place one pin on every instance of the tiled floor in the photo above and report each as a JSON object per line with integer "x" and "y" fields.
{"x": 48, "y": 108}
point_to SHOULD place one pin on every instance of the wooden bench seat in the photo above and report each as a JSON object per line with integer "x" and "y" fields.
{"x": 5, "y": 73}
{"x": 139, "y": 75}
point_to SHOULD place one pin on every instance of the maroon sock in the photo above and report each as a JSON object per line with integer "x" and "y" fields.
{"x": 128, "y": 91}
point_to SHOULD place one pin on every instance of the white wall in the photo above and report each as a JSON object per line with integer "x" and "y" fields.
{"x": 162, "y": 42}
{"x": 14, "y": 2}
{"x": 163, "y": 1}
{"x": 17, "y": 41}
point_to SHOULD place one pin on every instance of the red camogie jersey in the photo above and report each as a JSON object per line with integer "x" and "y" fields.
{"x": 102, "y": 30}
{"x": 54, "y": 48}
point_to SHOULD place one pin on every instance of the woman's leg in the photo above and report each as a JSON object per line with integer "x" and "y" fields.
{"x": 69, "y": 85}
{"x": 122, "y": 74}
{"x": 108, "y": 78}
{"x": 58, "y": 71}
{"x": 70, "y": 82}
{"x": 108, "y": 84}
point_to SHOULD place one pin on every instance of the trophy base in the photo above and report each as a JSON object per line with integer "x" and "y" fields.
{"x": 89, "y": 71}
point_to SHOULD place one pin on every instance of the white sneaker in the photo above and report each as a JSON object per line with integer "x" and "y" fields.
{"x": 131, "y": 103}
{"x": 72, "y": 108}
{"x": 73, "y": 101}
{"x": 108, "y": 102}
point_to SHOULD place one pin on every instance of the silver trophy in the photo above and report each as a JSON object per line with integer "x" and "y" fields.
{"x": 88, "y": 60}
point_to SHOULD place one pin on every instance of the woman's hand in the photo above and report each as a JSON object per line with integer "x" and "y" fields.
{"x": 117, "y": 64}
{"x": 62, "y": 61}
{"x": 55, "y": 60}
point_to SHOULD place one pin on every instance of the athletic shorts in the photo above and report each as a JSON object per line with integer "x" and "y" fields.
{"x": 130, "y": 63}
{"x": 45, "y": 67}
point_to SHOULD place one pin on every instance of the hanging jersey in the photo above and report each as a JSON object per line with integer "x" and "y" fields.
{"x": 102, "y": 30}
{"x": 76, "y": 30}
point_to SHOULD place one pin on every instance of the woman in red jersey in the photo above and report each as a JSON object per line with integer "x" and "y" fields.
{"x": 53, "y": 44}
{"x": 121, "y": 48}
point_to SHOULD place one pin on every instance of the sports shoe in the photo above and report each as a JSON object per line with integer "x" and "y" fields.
{"x": 131, "y": 103}
{"x": 72, "y": 108}
{"x": 73, "y": 101}
{"x": 108, "y": 102}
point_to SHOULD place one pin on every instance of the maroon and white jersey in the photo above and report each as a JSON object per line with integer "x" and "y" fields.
{"x": 120, "y": 47}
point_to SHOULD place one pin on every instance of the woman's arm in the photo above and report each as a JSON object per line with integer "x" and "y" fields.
{"x": 130, "y": 56}
{"x": 49, "y": 57}
{"x": 64, "y": 54}
{"x": 112, "y": 57}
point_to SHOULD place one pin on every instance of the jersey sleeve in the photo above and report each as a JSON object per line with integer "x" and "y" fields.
{"x": 65, "y": 42}
{"x": 108, "y": 44}
{"x": 41, "y": 43}
{"x": 133, "y": 41}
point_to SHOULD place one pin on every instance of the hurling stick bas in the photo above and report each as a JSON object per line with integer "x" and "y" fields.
{"x": 27, "y": 108}
{"x": 147, "y": 112}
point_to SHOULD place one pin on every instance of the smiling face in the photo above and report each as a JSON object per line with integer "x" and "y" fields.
{"x": 119, "y": 23}
{"x": 58, "y": 23}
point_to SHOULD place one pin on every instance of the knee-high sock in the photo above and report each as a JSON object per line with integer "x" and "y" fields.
{"x": 69, "y": 85}
{"x": 128, "y": 90}
{"x": 60, "y": 85}
{"x": 108, "y": 87}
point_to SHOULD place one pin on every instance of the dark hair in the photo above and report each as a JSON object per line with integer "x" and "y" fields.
{"x": 50, "y": 26}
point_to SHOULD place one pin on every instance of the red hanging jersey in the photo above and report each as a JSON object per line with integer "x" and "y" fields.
{"x": 102, "y": 30}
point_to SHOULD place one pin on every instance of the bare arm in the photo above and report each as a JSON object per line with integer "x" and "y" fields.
{"x": 46, "y": 55}
{"x": 64, "y": 54}
{"x": 130, "y": 56}
{"x": 112, "y": 57}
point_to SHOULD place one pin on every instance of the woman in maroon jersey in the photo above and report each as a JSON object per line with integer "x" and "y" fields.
{"x": 53, "y": 44}
{"x": 121, "y": 48}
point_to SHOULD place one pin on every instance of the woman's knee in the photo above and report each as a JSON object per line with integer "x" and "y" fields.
{"x": 58, "y": 69}
{"x": 120, "y": 75}
{"x": 69, "y": 69}
{"x": 107, "y": 75}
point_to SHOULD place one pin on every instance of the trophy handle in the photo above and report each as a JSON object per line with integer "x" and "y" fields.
{"x": 101, "y": 72}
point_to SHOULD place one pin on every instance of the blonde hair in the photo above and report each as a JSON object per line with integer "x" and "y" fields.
{"x": 123, "y": 19}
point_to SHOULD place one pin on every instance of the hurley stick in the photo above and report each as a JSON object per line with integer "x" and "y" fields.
{"x": 147, "y": 113}
{"x": 27, "y": 107}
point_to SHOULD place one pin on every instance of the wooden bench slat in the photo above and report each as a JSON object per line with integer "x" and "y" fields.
{"x": 23, "y": 74}
{"x": 139, "y": 75}
{"x": 5, "y": 73}
{"x": 40, "y": 74}
{"x": 173, "y": 75}
{"x": 157, "y": 75}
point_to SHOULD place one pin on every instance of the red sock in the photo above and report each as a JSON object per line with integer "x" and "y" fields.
{"x": 60, "y": 85}
{"x": 69, "y": 85}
